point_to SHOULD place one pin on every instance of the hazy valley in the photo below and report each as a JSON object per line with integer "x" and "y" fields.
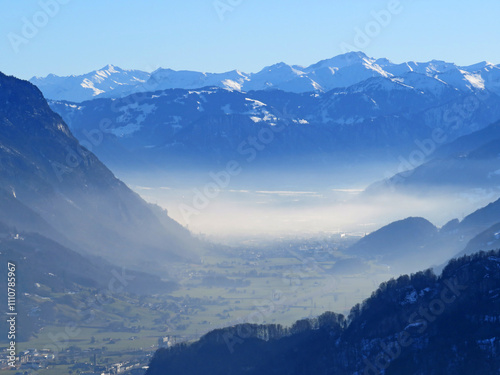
{"x": 145, "y": 210}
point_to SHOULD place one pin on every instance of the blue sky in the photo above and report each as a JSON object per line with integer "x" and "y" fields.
{"x": 221, "y": 35}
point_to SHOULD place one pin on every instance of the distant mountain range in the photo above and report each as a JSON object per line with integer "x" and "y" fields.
{"x": 418, "y": 324}
{"x": 377, "y": 119}
{"x": 51, "y": 186}
{"x": 338, "y": 72}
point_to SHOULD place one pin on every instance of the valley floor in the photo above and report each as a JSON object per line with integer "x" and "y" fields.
{"x": 257, "y": 282}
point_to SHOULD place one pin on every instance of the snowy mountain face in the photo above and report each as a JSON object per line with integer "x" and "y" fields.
{"x": 339, "y": 72}
{"x": 91, "y": 85}
{"x": 163, "y": 79}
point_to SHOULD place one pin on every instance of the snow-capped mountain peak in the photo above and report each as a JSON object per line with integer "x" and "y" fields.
{"x": 87, "y": 86}
{"x": 342, "y": 61}
{"x": 338, "y": 72}
{"x": 479, "y": 66}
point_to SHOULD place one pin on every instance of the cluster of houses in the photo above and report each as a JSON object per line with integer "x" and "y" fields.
{"x": 31, "y": 360}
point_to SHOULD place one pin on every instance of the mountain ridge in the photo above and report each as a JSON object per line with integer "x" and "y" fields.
{"x": 69, "y": 194}
{"x": 414, "y": 240}
{"x": 468, "y": 162}
{"x": 325, "y": 75}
